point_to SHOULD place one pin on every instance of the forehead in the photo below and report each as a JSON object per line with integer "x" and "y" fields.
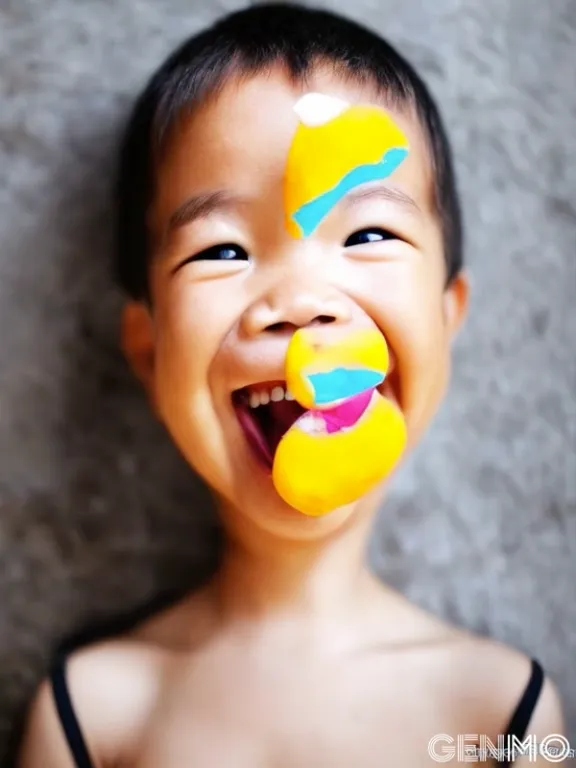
{"x": 239, "y": 140}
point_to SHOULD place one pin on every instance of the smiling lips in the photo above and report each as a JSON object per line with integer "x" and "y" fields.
{"x": 338, "y": 437}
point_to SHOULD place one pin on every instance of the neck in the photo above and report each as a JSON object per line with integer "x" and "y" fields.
{"x": 267, "y": 575}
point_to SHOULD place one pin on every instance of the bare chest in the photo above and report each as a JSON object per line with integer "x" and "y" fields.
{"x": 267, "y": 713}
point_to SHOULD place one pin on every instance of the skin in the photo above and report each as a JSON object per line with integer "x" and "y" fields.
{"x": 294, "y": 655}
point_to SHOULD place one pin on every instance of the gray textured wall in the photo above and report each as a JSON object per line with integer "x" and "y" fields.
{"x": 96, "y": 509}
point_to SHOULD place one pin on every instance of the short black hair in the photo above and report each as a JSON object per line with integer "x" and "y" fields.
{"x": 246, "y": 43}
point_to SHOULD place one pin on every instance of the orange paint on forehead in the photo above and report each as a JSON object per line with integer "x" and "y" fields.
{"x": 336, "y": 147}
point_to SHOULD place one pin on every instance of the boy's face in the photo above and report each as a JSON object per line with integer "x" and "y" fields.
{"x": 230, "y": 285}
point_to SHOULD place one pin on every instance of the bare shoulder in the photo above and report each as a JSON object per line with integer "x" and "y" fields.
{"x": 113, "y": 687}
{"x": 487, "y": 678}
{"x": 497, "y": 677}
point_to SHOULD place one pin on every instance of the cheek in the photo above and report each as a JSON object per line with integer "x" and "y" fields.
{"x": 405, "y": 300}
{"x": 191, "y": 323}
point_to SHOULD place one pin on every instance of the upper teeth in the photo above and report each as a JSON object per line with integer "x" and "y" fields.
{"x": 264, "y": 396}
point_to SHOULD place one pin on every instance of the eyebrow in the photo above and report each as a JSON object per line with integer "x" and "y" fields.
{"x": 203, "y": 205}
{"x": 381, "y": 192}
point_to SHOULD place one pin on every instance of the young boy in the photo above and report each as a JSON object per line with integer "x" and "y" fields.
{"x": 294, "y": 654}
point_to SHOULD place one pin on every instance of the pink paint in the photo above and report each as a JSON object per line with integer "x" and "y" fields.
{"x": 346, "y": 414}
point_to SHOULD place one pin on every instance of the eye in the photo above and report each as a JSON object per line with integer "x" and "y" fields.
{"x": 220, "y": 252}
{"x": 372, "y": 235}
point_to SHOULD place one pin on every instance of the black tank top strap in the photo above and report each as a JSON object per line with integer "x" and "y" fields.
{"x": 87, "y": 636}
{"x": 520, "y": 720}
{"x": 67, "y": 715}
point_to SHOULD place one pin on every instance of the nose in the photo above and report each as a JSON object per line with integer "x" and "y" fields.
{"x": 295, "y": 301}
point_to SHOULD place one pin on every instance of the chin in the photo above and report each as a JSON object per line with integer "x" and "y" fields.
{"x": 255, "y": 506}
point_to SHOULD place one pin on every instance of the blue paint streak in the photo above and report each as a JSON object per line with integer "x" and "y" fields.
{"x": 341, "y": 383}
{"x": 309, "y": 215}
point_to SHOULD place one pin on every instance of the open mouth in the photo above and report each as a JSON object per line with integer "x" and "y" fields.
{"x": 266, "y": 411}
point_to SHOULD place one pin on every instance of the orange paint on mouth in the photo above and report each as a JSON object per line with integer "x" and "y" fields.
{"x": 342, "y": 446}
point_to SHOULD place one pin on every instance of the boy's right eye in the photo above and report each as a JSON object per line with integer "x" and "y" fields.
{"x": 221, "y": 252}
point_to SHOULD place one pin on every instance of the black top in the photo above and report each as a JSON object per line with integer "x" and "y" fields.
{"x": 516, "y": 727}
{"x": 67, "y": 715}
{"x": 520, "y": 720}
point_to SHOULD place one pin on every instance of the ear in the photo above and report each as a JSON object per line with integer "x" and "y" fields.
{"x": 137, "y": 342}
{"x": 456, "y": 301}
